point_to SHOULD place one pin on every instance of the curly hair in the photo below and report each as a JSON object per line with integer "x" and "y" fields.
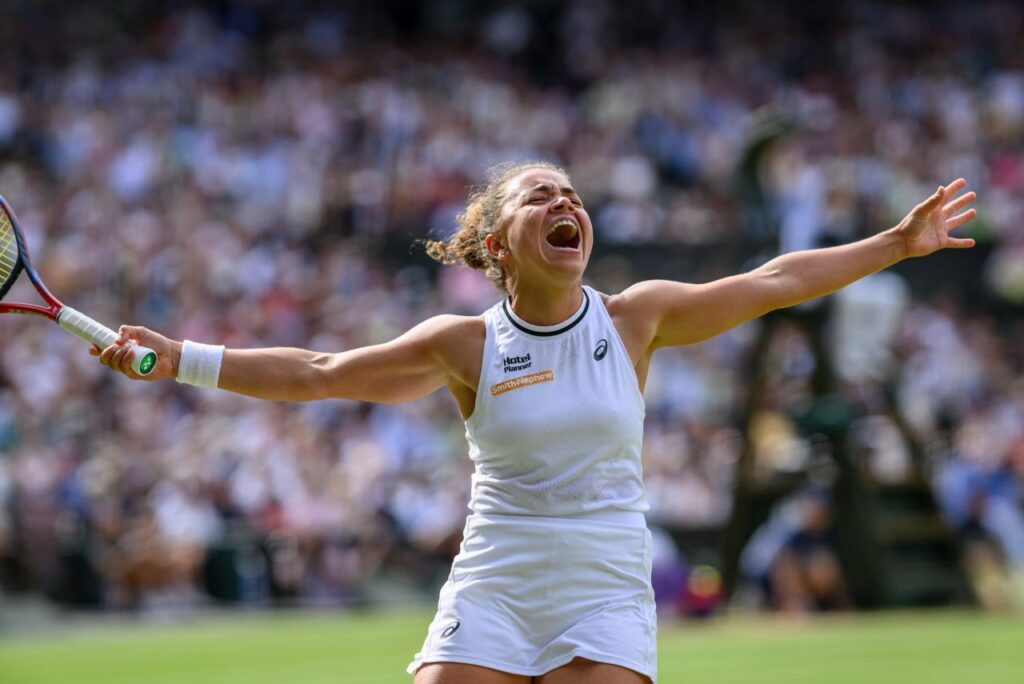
{"x": 480, "y": 218}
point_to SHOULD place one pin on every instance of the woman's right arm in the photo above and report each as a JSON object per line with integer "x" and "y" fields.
{"x": 406, "y": 368}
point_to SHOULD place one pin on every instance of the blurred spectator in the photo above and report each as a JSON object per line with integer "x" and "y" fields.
{"x": 980, "y": 493}
{"x": 792, "y": 557}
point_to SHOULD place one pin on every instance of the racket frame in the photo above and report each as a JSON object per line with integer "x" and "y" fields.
{"x": 25, "y": 263}
{"x": 78, "y": 323}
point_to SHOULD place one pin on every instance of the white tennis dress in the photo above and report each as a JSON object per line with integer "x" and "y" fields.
{"x": 555, "y": 561}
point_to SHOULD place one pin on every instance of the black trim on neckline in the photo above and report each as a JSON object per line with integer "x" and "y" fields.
{"x": 550, "y": 333}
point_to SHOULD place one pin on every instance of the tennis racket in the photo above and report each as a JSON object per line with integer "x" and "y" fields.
{"x": 14, "y": 259}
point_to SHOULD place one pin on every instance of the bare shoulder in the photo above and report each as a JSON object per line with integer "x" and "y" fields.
{"x": 446, "y": 338}
{"x": 676, "y": 313}
{"x": 644, "y": 295}
{"x": 639, "y": 310}
{"x": 458, "y": 342}
{"x": 636, "y": 330}
{"x": 451, "y": 328}
{"x": 646, "y": 301}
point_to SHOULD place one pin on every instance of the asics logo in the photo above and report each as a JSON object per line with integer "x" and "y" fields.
{"x": 601, "y": 349}
{"x": 450, "y": 629}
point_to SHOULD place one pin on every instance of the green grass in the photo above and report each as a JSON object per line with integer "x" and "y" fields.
{"x": 910, "y": 648}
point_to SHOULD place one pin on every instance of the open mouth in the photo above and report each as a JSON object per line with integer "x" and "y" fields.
{"x": 564, "y": 234}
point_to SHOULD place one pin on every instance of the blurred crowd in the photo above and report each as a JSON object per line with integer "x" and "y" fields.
{"x": 255, "y": 175}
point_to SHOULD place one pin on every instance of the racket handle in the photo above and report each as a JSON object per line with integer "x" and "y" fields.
{"x": 81, "y": 326}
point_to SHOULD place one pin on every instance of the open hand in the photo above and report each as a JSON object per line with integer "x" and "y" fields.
{"x": 926, "y": 229}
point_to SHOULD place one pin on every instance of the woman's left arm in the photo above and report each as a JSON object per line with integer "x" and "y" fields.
{"x": 680, "y": 313}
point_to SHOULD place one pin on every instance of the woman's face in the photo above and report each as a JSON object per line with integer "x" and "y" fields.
{"x": 546, "y": 235}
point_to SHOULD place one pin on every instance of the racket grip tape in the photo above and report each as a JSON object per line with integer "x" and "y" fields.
{"x": 83, "y": 327}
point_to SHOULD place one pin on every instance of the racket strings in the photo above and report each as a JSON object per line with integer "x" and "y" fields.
{"x": 8, "y": 253}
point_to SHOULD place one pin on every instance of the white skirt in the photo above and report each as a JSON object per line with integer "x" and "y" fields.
{"x": 528, "y": 594}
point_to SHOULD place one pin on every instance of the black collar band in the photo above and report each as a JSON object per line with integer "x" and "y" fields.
{"x": 547, "y": 330}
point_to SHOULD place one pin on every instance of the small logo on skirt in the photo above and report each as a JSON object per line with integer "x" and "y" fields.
{"x": 450, "y": 629}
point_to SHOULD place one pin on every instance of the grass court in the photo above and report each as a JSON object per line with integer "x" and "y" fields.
{"x": 326, "y": 648}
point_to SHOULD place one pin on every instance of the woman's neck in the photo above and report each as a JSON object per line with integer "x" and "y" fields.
{"x": 546, "y": 306}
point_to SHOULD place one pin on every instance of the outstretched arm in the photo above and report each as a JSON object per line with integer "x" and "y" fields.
{"x": 406, "y": 368}
{"x": 680, "y": 313}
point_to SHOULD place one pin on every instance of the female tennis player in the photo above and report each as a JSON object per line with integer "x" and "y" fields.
{"x": 552, "y": 582}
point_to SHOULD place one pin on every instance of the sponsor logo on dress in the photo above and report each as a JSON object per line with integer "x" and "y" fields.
{"x": 450, "y": 629}
{"x": 601, "y": 349}
{"x": 516, "y": 363}
{"x": 522, "y": 381}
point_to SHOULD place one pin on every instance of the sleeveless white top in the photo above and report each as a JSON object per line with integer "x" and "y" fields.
{"x": 558, "y": 422}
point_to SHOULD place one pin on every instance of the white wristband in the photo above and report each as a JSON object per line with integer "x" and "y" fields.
{"x": 199, "y": 364}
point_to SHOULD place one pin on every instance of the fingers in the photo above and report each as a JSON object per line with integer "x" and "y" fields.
{"x": 930, "y": 204}
{"x": 960, "y": 219}
{"x": 955, "y": 187}
{"x": 118, "y": 356}
{"x": 958, "y": 204}
{"x": 132, "y": 332}
{"x": 942, "y": 194}
{"x": 959, "y": 243}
